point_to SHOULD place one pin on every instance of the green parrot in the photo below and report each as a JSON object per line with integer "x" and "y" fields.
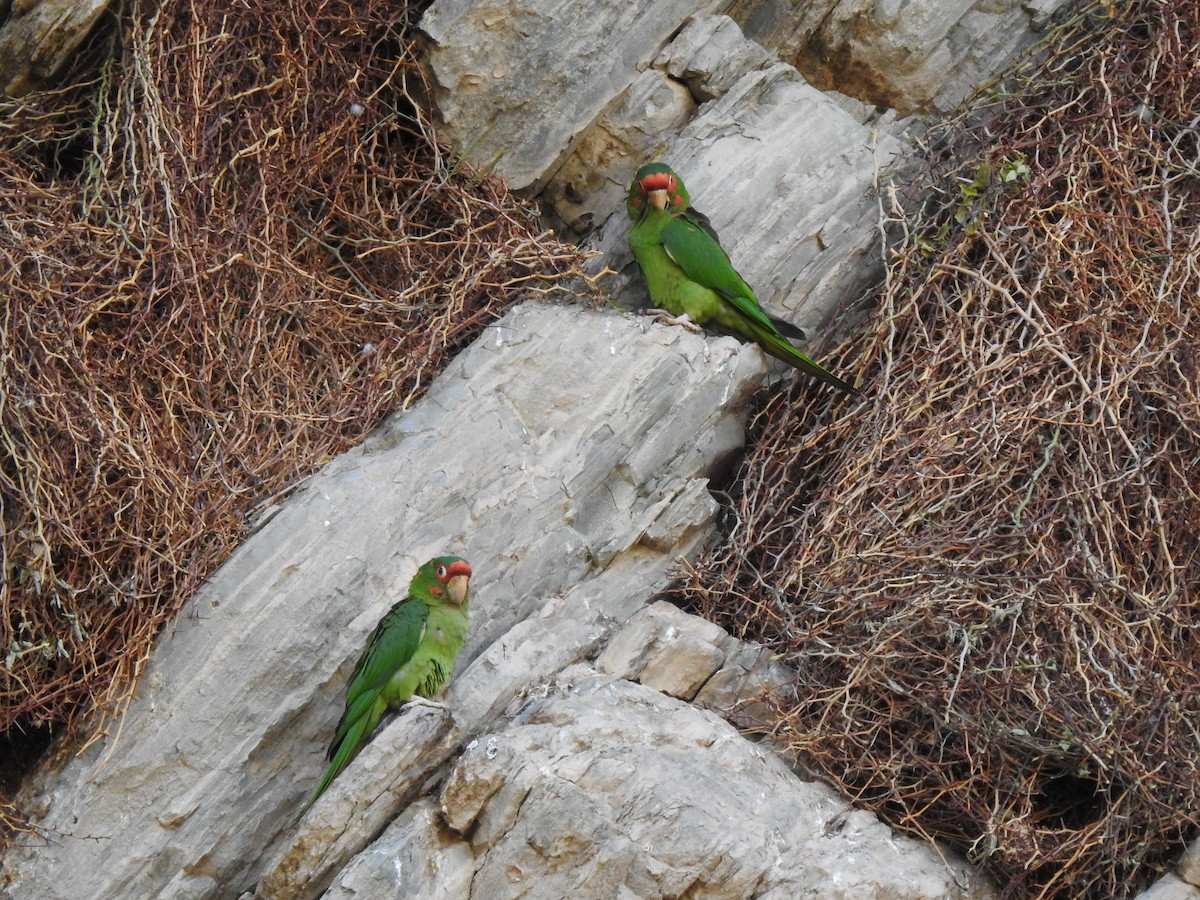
{"x": 411, "y": 651}
{"x": 687, "y": 272}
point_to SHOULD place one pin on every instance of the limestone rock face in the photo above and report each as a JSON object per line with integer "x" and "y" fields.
{"x": 1189, "y": 865}
{"x": 547, "y": 774}
{"x": 518, "y": 79}
{"x": 926, "y": 56}
{"x": 1170, "y": 887}
{"x": 790, "y": 175}
{"x": 590, "y": 184}
{"x": 785, "y": 173}
{"x": 567, "y": 455}
{"x": 606, "y": 788}
{"x": 567, "y": 463}
{"x": 610, "y": 789}
{"x": 37, "y": 37}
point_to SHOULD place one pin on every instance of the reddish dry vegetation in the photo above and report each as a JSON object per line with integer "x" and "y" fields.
{"x": 986, "y": 571}
{"x": 230, "y": 245}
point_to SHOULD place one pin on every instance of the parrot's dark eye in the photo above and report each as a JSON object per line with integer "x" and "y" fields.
{"x": 441, "y": 573}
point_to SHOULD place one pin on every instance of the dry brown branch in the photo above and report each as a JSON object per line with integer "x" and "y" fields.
{"x": 227, "y": 249}
{"x": 986, "y": 569}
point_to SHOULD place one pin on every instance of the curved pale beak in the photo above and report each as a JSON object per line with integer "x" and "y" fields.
{"x": 658, "y": 199}
{"x": 458, "y": 589}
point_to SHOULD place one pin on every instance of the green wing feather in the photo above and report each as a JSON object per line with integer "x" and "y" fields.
{"x": 353, "y": 738}
{"x": 391, "y": 646}
{"x": 696, "y": 217}
{"x": 693, "y": 248}
{"x": 411, "y": 651}
{"x": 703, "y": 261}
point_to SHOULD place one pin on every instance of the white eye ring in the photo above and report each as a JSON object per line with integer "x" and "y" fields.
{"x": 441, "y": 572}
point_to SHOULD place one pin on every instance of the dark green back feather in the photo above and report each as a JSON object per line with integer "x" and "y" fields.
{"x": 695, "y": 250}
{"x": 703, "y": 261}
{"x": 405, "y": 624}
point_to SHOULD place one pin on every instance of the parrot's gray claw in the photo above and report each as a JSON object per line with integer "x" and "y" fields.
{"x": 421, "y": 701}
{"x": 683, "y": 321}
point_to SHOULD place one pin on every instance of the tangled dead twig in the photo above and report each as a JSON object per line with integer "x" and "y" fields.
{"x": 990, "y": 589}
{"x": 228, "y": 251}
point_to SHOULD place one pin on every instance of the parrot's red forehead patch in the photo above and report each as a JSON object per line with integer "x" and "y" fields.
{"x": 658, "y": 181}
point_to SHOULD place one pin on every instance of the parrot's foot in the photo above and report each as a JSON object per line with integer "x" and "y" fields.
{"x": 683, "y": 321}
{"x": 421, "y": 701}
